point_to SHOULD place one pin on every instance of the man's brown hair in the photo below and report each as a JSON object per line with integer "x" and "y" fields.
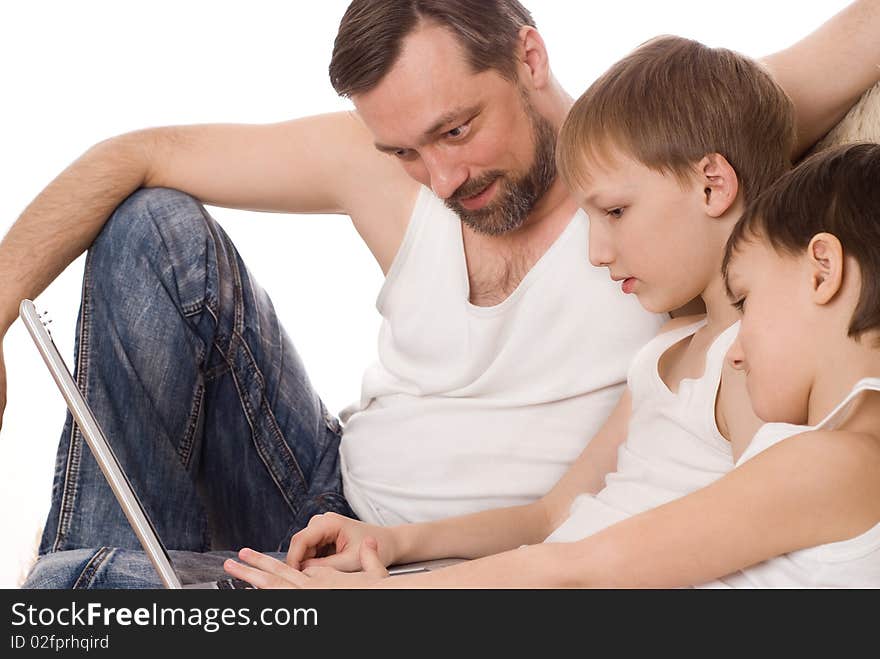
{"x": 835, "y": 191}
{"x": 372, "y": 31}
{"x": 673, "y": 101}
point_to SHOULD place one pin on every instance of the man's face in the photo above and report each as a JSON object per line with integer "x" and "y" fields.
{"x": 474, "y": 139}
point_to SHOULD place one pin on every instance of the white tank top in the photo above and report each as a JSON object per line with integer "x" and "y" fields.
{"x": 673, "y": 446}
{"x": 853, "y": 563}
{"x": 469, "y": 407}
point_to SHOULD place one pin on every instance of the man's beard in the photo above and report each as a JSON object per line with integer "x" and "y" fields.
{"x": 516, "y": 197}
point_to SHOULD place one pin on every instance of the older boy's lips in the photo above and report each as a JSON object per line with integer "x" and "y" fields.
{"x": 480, "y": 199}
{"x": 628, "y": 283}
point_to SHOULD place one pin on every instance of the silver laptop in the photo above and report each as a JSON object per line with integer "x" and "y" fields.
{"x": 115, "y": 475}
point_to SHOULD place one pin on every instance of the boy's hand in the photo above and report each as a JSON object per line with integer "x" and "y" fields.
{"x": 264, "y": 571}
{"x": 332, "y": 540}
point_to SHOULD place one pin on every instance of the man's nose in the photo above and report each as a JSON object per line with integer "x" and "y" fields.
{"x": 601, "y": 252}
{"x": 447, "y": 174}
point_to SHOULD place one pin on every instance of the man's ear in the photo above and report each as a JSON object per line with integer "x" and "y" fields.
{"x": 533, "y": 55}
{"x": 825, "y": 263}
{"x": 720, "y": 184}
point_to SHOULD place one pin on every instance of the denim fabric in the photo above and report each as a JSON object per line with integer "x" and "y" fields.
{"x": 108, "y": 567}
{"x": 199, "y": 391}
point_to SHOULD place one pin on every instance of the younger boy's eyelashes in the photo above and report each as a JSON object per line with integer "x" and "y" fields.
{"x": 616, "y": 213}
{"x": 740, "y": 304}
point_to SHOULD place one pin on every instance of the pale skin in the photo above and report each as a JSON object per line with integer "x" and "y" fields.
{"x": 831, "y": 491}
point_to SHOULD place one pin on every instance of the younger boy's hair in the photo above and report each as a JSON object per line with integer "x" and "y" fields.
{"x": 835, "y": 191}
{"x": 673, "y": 101}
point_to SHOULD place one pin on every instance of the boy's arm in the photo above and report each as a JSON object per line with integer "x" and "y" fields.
{"x": 826, "y": 72}
{"x": 808, "y": 490}
{"x": 468, "y": 536}
{"x": 493, "y": 531}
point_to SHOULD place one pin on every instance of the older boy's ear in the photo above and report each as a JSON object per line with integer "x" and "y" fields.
{"x": 825, "y": 259}
{"x": 720, "y": 184}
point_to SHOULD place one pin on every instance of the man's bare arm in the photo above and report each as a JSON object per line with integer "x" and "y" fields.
{"x": 826, "y": 72}
{"x": 322, "y": 164}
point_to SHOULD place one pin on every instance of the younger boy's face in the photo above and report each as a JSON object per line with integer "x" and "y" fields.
{"x": 772, "y": 347}
{"x": 650, "y": 232}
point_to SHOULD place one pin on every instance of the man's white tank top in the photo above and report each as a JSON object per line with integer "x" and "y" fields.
{"x": 673, "y": 445}
{"x": 853, "y": 563}
{"x": 469, "y": 407}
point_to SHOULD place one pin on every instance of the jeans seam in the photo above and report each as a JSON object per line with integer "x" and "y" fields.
{"x": 74, "y": 451}
{"x": 184, "y": 451}
{"x": 192, "y": 309}
{"x": 235, "y": 340}
{"x": 87, "y": 576}
{"x": 261, "y": 450}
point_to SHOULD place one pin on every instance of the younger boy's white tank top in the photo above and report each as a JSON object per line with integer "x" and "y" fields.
{"x": 673, "y": 446}
{"x": 853, "y": 563}
{"x": 468, "y": 407}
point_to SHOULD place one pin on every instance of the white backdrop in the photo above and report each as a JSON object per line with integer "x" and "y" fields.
{"x": 72, "y": 74}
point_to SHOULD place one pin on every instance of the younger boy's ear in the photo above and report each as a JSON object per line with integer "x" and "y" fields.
{"x": 825, "y": 263}
{"x": 720, "y": 184}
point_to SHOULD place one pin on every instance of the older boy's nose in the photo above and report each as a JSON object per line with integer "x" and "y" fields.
{"x": 601, "y": 253}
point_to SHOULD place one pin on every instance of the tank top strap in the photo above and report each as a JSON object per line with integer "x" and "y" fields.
{"x": 774, "y": 432}
{"x": 834, "y": 418}
{"x": 644, "y": 364}
{"x": 716, "y": 354}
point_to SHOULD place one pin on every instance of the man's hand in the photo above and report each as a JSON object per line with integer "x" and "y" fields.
{"x": 266, "y": 572}
{"x": 332, "y": 540}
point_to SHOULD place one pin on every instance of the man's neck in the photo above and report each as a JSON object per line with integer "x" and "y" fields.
{"x": 554, "y": 209}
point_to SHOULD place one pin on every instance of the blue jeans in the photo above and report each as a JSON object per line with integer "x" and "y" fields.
{"x": 203, "y": 398}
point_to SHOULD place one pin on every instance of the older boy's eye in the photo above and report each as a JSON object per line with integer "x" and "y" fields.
{"x": 740, "y": 304}
{"x": 616, "y": 213}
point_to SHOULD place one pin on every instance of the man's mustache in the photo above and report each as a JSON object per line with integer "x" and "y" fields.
{"x": 474, "y": 186}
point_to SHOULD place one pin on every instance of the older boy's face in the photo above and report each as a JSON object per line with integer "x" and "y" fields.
{"x": 472, "y": 138}
{"x": 650, "y": 232}
{"x": 772, "y": 347}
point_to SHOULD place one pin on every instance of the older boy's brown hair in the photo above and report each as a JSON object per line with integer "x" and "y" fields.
{"x": 835, "y": 191}
{"x": 372, "y": 31}
{"x": 673, "y": 101}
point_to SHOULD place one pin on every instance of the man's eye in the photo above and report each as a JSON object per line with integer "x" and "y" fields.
{"x": 458, "y": 131}
{"x": 404, "y": 154}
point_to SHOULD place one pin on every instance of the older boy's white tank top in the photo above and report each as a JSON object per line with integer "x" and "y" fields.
{"x": 673, "y": 446}
{"x": 853, "y": 563}
{"x": 469, "y": 407}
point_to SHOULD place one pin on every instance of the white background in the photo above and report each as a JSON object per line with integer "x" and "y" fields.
{"x": 74, "y": 73}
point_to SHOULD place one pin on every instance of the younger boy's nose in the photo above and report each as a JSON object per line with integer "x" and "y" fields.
{"x": 735, "y": 356}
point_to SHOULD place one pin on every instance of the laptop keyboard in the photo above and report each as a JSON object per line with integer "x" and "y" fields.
{"x": 233, "y": 584}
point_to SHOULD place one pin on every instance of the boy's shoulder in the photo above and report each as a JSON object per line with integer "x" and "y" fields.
{"x": 838, "y": 457}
